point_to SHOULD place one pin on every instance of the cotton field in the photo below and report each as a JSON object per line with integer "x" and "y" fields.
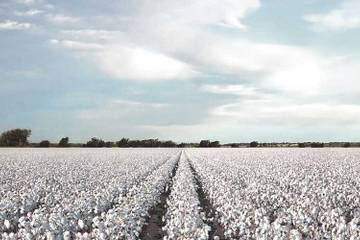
{"x": 180, "y": 194}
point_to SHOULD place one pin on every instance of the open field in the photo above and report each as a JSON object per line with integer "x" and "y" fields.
{"x": 180, "y": 193}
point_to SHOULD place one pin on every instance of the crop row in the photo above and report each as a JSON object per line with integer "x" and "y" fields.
{"x": 298, "y": 194}
{"x": 62, "y": 192}
{"x": 184, "y": 216}
{"x": 127, "y": 218}
{"x": 283, "y": 193}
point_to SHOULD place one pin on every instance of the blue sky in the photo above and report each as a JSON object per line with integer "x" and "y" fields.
{"x": 183, "y": 70}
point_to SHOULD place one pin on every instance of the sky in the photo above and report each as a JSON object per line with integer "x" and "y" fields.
{"x": 230, "y": 70}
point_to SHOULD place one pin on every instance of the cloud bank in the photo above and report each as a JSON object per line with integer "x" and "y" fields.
{"x": 346, "y": 16}
{"x": 203, "y": 59}
{"x": 14, "y": 25}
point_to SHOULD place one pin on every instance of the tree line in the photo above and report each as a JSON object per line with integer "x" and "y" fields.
{"x": 19, "y": 138}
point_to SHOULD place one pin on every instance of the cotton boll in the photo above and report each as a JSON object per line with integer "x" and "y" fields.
{"x": 67, "y": 235}
{"x": 29, "y": 236}
{"x": 256, "y": 193}
{"x": 81, "y": 224}
{"x": 7, "y": 224}
{"x": 295, "y": 235}
{"x": 184, "y": 218}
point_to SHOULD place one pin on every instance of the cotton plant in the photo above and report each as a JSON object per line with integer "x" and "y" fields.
{"x": 56, "y": 194}
{"x": 256, "y": 193}
{"x": 183, "y": 217}
{"x": 282, "y": 193}
{"x": 128, "y": 216}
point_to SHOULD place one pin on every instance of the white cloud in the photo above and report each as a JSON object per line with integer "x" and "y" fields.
{"x": 26, "y": 2}
{"x": 31, "y": 12}
{"x": 227, "y": 12}
{"x": 273, "y": 67}
{"x": 143, "y": 49}
{"x": 148, "y": 45}
{"x": 288, "y": 87}
{"x": 77, "y": 46}
{"x": 137, "y": 104}
{"x": 173, "y": 28}
{"x": 92, "y": 34}
{"x": 270, "y": 83}
{"x": 49, "y": 6}
{"x": 61, "y": 19}
{"x": 14, "y": 25}
{"x": 142, "y": 64}
{"x": 270, "y": 121}
{"x": 346, "y": 16}
{"x": 276, "y": 111}
{"x": 291, "y": 86}
{"x": 231, "y": 89}
{"x": 132, "y": 63}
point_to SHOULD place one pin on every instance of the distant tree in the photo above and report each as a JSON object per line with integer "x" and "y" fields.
{"x": 254, "y": 144}
{"x": 15, "y": 137}
{"x": 133, "y": 143}
{"x": 95, "y": 142}
{"x": 214, "y": 144}
{"x": 101, "y": 143}
{"x": 301, "y": 145}
{"x": 64, "y": 142}
{"x": 317, "y": 145}
{"x": 150, "y": 143}
{"x": 234, "y": 145}
{"x": 346, "y": 145}
{"x": 123, "y": 142}
{"x": 109, "y": 144}
{"x": 182, "y": 145}
{"x": 168, "y": 144}
{"x": 44, "y": 144}
{"x": 204, "y": 143}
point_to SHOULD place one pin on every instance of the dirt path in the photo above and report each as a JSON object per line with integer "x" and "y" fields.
{"x": 217, "y": 231}
{"x": 154, "y": 223}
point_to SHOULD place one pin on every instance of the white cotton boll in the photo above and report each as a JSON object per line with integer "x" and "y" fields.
{"x": 22, "y": 221}
{"x": 29, "y": 236}
{"x": 295, "y": 235}
{"x": 81, "y": 224}
{"x": 78, "y": 235}
{"x": 12, "y": 236}
{"x": 67, "y": 235}
{"x": 50, "y": 236}
{"x": 103, "y": 236}
{"x": 7, "y": 224}
{"x": 96, "y": 220}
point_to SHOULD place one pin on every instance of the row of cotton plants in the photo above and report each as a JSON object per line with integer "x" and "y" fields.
{"x": 59, "y": 192}
{"x": 184, "y": 217}
{"x": 283, "y": 193}
{"x": 126, "y": 219}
